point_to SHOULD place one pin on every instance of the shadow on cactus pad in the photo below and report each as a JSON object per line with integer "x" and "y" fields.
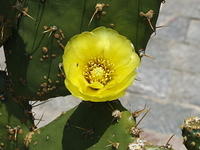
{"x": 92, "y": 126}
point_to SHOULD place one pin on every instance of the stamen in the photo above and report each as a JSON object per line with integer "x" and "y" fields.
{"x": 99, "y": 70}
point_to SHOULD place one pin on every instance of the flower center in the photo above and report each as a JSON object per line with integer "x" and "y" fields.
{"x": 98, "y": 70}
{"x": 98, "y": 73}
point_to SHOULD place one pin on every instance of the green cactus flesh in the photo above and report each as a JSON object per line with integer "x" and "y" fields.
{"x": 91, "y": 126}
{"x": 35, "y": 50}
{"x": 191, "y": 133}
{"x": 14, "y": 123}
{"x": 7, "y": 17}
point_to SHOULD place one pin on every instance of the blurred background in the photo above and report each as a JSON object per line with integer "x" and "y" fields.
{"x": 169, "y": 84}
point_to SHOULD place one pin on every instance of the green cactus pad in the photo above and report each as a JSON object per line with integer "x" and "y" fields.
{"x": 14, "y": 123}
{"x": 35, "y": 50}
{"x": 125, "y": 17}
{"x": 88, "y": 126}
{"x": 191, "y": 133}
{"x": 91, "y": 126}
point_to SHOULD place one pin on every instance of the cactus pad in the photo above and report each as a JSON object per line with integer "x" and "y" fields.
{"x": 91, "y": 126}
{"x": 15, "y": 122}
{"x": 34, "y": 52}
{"x": 191, "y": 133}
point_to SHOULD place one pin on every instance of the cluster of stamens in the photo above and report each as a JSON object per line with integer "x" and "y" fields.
{"x": 98, "y": 69}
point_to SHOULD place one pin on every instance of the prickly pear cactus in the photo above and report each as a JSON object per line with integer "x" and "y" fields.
{"x": 33, "y": 53}
{"x": 92, "y": 126}
{"x": 191, "y": 133}
{"x": 15, "y": 122}
{"x": 34, "y": 34}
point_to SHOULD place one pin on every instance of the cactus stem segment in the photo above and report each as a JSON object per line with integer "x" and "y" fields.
{"x": 149, "y": 16}
{"x": 98, "y": 10}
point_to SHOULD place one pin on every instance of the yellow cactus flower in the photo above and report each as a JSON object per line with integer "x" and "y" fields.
{"x": 99, "y": 65}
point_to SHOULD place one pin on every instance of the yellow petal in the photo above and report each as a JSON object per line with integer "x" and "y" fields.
{"x": 96, "y": 85}
{"x": 114, "y": 45}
